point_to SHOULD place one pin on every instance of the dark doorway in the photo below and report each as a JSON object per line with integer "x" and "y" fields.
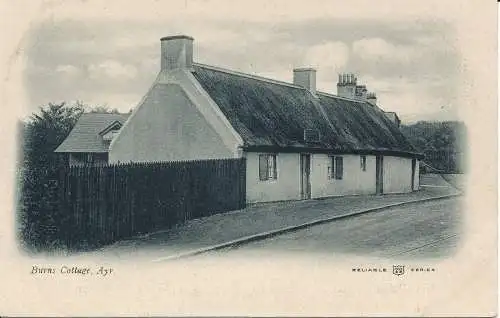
{"x": 305, "y": 172}
{"x": 413, "y": 168}
{"x": 379, "y": 175}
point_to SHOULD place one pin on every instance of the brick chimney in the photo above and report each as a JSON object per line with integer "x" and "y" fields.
{"x": 346, "y": 86}
{"x": 176, "y": 52}
{"x": 371, "y": 98}
{"x": 305, "y": 77}
{"x": 361, "y": 92}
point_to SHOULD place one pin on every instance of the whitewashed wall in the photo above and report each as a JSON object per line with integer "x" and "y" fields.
{"x": 354, "y": 181}
{"x": 397, "y": 174}
{"x": 167, "y": 127}
{"x": 416, "y": 180}
{"x": 287, "y": 185}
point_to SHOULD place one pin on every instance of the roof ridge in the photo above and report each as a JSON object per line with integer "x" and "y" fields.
{"x": 270, "y": 80}
{"x": 341, "y": 97}
{"x": 104, "y": 113}
{"x": 252, "y": 76}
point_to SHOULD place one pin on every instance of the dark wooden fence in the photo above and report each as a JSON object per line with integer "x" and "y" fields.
{"x": 104, "y": 204}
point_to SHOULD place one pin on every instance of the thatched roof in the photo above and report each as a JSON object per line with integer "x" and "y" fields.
{"x": 274, "y": 115}
{"x": 85, "y": 135}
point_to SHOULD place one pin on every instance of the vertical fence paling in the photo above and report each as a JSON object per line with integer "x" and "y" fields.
{"x": 107, "y": 203}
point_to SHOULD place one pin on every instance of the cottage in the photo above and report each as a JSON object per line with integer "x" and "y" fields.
{"x": 299, "y": 143}
{"x": 88, "y": 142}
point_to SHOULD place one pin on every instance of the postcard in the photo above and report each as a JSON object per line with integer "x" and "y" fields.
{"x": 249, "y": 158}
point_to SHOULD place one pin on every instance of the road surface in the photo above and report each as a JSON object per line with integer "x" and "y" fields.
{"x": 427, "y": 230}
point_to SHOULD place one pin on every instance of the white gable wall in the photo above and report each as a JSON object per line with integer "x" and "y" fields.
{"x": 176, "y": 120}
{"x": 167, "y": 127}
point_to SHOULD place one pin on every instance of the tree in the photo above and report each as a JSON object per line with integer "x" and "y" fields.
{"x": 40, "y": 135}
{"x": 442, "y": 143}
{"x": 46, "y": 130}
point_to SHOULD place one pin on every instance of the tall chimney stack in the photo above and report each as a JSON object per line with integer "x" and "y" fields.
{"x": 305, "y": 77}
{"x": 176, "y": 52}
{"x": 346, "y": 87}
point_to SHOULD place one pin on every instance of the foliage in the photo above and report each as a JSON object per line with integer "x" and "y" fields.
{"x": 39, "y": 136}
{"x": 448, "y": 135}
{"x": 46, "y": 130}
{"x": 443, "y": 143}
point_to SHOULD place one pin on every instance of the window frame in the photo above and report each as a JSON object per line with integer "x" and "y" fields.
{"x": 331, "y": 168}
{"x": 336, "y": 163}
{"x": 362, "y": 159}
{"x": 110, "y": 135}
{"x": 271, "y": 167}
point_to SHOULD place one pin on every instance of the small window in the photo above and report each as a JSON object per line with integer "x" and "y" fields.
{"x": 363, "y": 163}
{"x": 267, "y": 167}
{"x": 110, "y": 135}
{"x": 339, "y": 168}
{"x": 336, "y": 168}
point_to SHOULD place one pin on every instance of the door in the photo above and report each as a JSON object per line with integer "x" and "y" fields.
{"x": 413, "y": 168}
{"x": 379, "y": 175}
{"x": 305, "y": 172}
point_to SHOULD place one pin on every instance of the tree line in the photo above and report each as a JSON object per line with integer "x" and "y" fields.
{"x": 444, "y": 144}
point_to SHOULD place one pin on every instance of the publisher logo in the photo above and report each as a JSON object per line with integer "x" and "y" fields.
{"x": 398, "y": 270}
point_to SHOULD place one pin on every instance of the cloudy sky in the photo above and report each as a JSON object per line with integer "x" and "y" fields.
{"x": 109, "y": 54}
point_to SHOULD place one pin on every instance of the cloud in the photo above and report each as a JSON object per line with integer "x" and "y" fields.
{"x": 418, "y": 105}
{"x": 69, "y": 70}
{"x": 213, "y": 37}
{"x": 331, "y": 54}
{"x": 374, "y": 49}
{"x": 112, "y": 69}
{"x": 122, "y": 101}
{"x": 328, "y": 59}
{"x": 121, "y": 55}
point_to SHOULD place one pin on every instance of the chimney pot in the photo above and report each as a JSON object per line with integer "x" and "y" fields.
{"x": 346, "y": 87}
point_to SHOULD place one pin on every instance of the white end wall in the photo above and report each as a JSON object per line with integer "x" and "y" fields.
{"x": 397, "y": 174}
{"x": 285, "y": 187}
{"x": 167, "y": 126}
{"x": 354, "y": 181}
{"x": 416, "y": 180}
